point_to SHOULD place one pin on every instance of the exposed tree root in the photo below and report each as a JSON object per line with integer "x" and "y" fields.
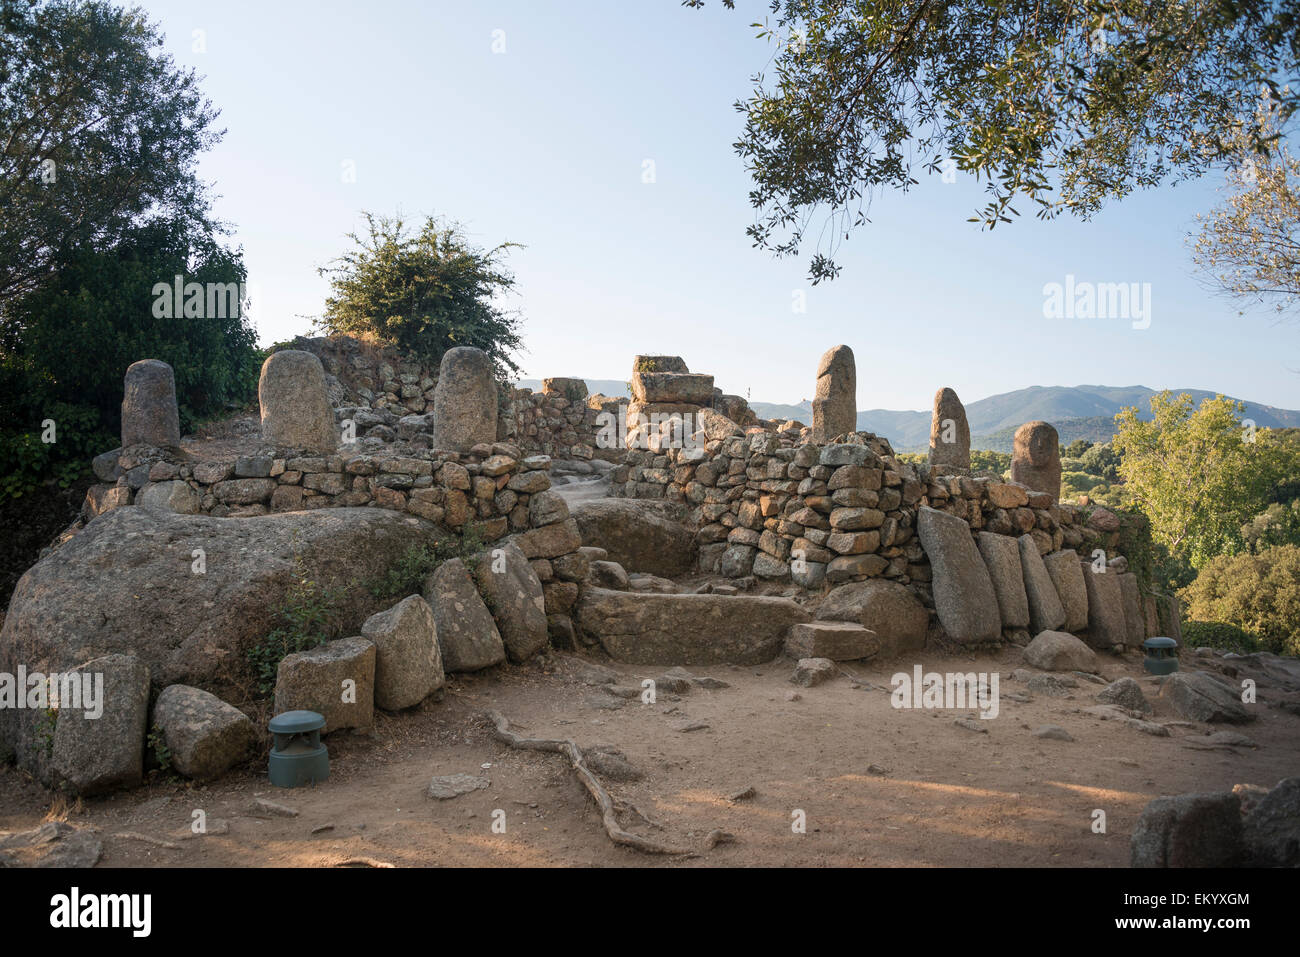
{"x": 589, "y": 780}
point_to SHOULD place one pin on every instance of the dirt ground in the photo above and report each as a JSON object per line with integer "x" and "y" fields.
{"x": 878, "y": 786}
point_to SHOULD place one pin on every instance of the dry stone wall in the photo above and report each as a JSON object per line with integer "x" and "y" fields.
{"x": 766, "y": 506}
{"x": 490, "y": 484}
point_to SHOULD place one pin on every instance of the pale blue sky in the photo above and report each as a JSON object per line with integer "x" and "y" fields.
{"x": 544, "y": 145}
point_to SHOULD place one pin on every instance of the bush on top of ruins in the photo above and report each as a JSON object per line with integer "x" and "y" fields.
{"x": 424, "y": 293}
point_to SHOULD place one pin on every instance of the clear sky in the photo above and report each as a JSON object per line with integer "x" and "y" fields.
{"x": 545, "y": 144}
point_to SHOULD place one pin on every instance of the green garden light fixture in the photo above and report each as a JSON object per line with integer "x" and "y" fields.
{"x": 297, "y": 755}
{"x": 1161, "y": 656}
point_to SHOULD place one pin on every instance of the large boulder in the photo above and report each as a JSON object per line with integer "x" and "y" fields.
{"x": 296, "y": 410}
{"x": 1272, "y": 827}
{"x": 656, "y": 629}
{"x": 1198, "y": 696}
{"x": 130, "y": 583}
{"x": 1001, "y": 556}
{"x": 1067, "y": 575}
{"x": 949, "y": 432}
{"x": 1045, "y": 610}
{"x": 466, "y": 632}
{"x": 1036, "y": 458}
{"x": 99, "y": 746}
{"x": 963, "y": 592}
{"x": 887, "y": 608}
{"x": 513, "y": 593}
{"x": 642, "y": 536}
{"x": 1126, "y": 693}
{"x": 464, "y": 401}
{"x": 1189, "y": 830}
{"x": 149, "y": 412}
{"x": 1060, "y": 651}
{"x": 204, "y": 735}
{"x": 835, "y": 399}
{"x": 408, "y": 662}
{"x": 336, "y": 680}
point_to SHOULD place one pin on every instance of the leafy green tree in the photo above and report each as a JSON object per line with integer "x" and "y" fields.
{"x": 1257, "y": 593}
{"x": 982, "y": 460}
{"x": 1063, "y": 104}
{"x": 425, "y": 292}
{"x": 98, "y": 128}
{"x": 1102, "y": 460}
{"x": 1249, "y": 244}
{"x": 1198, "y": 475}
{"x": 1277, "y": 525}
{"x": 1075, "y": 449}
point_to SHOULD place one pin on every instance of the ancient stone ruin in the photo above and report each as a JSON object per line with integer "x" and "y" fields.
{"x": 705, "y": 536}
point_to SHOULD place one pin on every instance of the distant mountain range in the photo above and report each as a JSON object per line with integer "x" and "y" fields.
{"x": 1078, "y": 412}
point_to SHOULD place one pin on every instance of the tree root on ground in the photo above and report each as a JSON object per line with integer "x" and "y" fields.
{"x": 608, "y": 806}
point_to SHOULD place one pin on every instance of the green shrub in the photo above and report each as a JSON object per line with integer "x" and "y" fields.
{"x": 311, "y": 616}
{"x": 158, "y": 747}
{"x": 424, "y": 292}
{"x": 406, "y": 576}
{"x": 1218, "y": 634}
{"x": 1259, "y": 594}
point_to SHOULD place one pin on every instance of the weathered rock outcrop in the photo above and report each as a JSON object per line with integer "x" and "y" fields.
{"x": 1060, "y": 651}
{"x": 466, "y": 632}
{"x": 128, "y": 584}
{"x": 653, "y": 629}
{"x": 314, "y": 680}
{"x": 1189, "y": 830}
{"x": 887, "y": 608}
{"x": 408, "y": 662}
{"x": 513, "y": 593}
{"x": 641, "y": 536}
{"x": 92, "y": 753}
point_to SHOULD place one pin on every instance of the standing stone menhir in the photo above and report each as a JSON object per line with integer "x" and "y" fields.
{"x": 296, "y": 410}
{"x": 949, "y": 432}
{"x": 149, "y": 413}
{"x": 465, "y": 400}
{"x": 1036, "y": 458}
{"x": 835, "y": 403}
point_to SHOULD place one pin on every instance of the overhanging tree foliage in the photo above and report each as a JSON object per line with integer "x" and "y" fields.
{"x": 98, "y": 128}
{"x": 1065, "y": 104}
